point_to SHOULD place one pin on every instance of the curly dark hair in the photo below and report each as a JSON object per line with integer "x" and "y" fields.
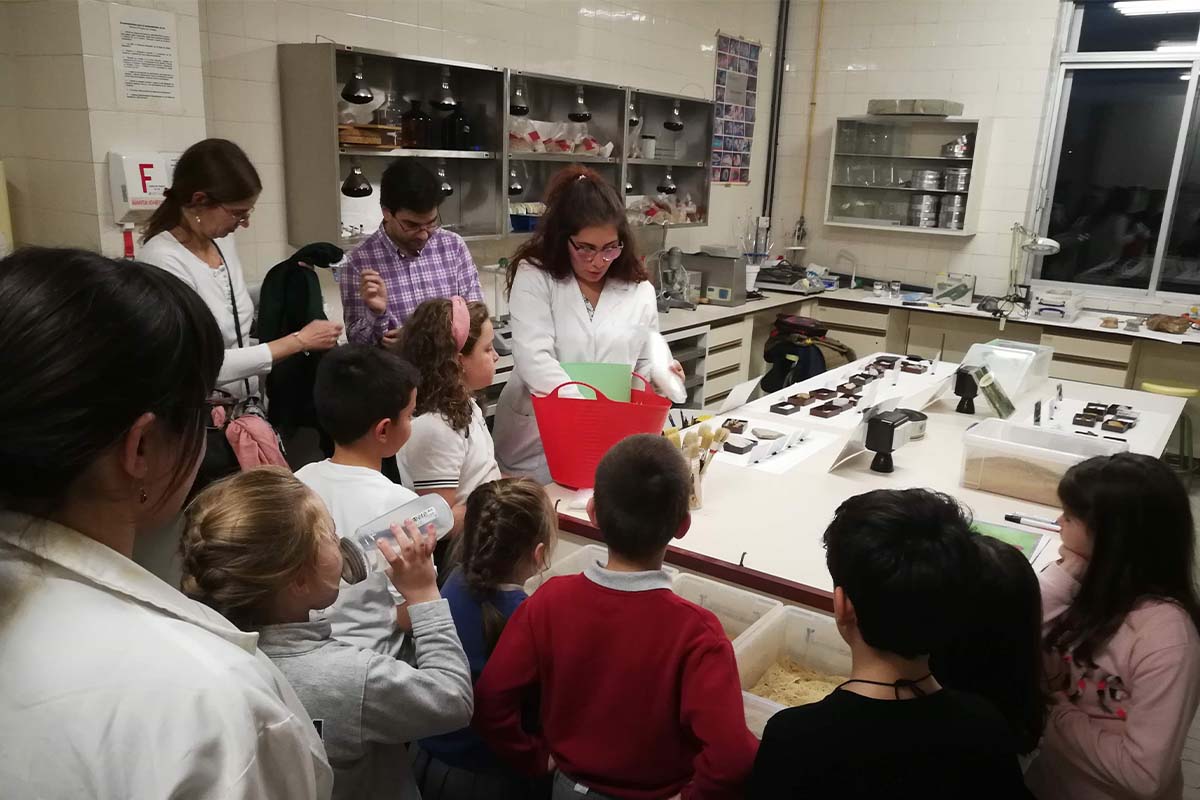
{"x": 427, "y": 342}
{"x": 505, "y": 522}
{"x": 578, "y": 198}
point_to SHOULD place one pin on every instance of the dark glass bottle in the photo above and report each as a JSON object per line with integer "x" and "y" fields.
{"x": 457, "y": 131}
{"x": 415, "y": 127}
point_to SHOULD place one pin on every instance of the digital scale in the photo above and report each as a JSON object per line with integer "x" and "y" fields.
{"x": 787, "y": 278}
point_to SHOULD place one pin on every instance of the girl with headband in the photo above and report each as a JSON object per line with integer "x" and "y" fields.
{"x": 450, "y": 451}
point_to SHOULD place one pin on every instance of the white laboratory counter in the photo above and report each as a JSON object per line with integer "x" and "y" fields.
{"x": 762, "y": 528}
{"x": 1088, "y": 321}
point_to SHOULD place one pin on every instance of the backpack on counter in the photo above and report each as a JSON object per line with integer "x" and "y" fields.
{"x": 797, "y": 349}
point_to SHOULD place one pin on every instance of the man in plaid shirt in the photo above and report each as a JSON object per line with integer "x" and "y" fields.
{"x": 409, "y": 260}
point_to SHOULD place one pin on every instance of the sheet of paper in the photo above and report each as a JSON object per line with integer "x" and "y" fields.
{"x": 145, "y": 50}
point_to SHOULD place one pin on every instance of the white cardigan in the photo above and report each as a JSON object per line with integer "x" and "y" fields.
{"x": 165, "y": 251}
{"x": 114, "y": 685}
{"x": 550, "y": 325}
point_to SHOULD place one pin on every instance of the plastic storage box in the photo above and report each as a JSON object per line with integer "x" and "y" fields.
{"x": 575, "y": 563}
{"x": 806, "y": 637}
{"x": 737, "y": 609}
{"x": 1019, "y": 367}
{"x": 1020, "y": 461}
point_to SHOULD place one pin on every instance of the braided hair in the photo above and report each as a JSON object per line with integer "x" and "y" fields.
{"x": 505, "y": 522}
{"x": 248, "y": 536}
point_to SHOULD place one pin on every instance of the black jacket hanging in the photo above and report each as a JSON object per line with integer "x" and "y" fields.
{"x": 291, "y": 298}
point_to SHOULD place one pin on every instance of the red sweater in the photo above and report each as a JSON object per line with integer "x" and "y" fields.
{"x": 639, "y": 691}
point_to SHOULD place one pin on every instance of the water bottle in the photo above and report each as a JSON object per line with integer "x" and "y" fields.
{"x": 360, "y": 554}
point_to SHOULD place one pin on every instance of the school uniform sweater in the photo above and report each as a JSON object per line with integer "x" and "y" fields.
{"x": 367, "y": 705}
{"x": 639, "y": 691}
{"x": 1117, "y": 731}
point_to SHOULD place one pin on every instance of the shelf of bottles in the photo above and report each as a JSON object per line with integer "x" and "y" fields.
{"x": 349, "y": 112}
{"x": 911, "y": 174}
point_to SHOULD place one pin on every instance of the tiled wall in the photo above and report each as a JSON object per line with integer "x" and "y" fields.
{"x": 113, "y": 130}
{"x": 994, "y": 56}
{"x": 664, "y": 45}
{"x": 58, "y": 117}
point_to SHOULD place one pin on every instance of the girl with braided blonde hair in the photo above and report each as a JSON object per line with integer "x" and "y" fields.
{"x": 508, "y": 533}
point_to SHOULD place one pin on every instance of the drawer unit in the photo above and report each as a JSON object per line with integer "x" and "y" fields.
{"x": 722, "y": 382}
{"x": 730, "y": 355}
{"x": 729, "y": 333}
{"x": 1091, "y": 348}
{"x": 1087, "y": 373}
{"x": 838, "y": 316}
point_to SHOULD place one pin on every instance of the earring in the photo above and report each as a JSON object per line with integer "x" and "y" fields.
{"x": 142, "y": 498}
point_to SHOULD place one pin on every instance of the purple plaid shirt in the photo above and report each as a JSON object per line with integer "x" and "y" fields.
{"x": 443, "y": 269}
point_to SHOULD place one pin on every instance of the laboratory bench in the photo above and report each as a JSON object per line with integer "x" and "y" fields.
{"x": 760, "y": 526}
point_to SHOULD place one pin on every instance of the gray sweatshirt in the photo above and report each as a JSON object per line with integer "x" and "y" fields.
{"x": 367, "y": 705}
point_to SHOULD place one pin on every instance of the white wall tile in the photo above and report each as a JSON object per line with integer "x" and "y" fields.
{"x": 100, "y": 83}
{"x": 47, "y": 27}
{"x": 51, "y": 82}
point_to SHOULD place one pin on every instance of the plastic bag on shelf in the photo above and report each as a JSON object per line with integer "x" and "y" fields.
{"x": 523, "y": 136}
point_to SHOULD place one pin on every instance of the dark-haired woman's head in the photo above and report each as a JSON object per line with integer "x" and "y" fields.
{"x": 996, "y": 652}
{"x": 895, "y": 556}
{"x": 108, "y": 366}
{"x": 583, "y": 233}
{"x": 1128, "y": 515}
{"x": 213, "y": 191}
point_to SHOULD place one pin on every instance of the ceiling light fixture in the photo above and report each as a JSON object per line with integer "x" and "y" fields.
{"x": 1146, "y": 8}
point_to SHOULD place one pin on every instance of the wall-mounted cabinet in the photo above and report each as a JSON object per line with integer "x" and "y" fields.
{"x": 914, "y": 174}
{"x": 455, "y": 118}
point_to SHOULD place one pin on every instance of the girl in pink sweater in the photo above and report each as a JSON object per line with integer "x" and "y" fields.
{"x": 1121, "y": 617}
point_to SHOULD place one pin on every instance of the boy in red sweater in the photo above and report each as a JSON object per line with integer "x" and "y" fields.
{"x": 640, "y": 698}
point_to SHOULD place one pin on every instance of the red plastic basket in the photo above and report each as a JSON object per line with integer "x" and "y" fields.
{"x": 577, "y": 433}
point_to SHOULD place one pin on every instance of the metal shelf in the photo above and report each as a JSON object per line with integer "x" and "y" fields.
{"x": 665, "y": 162}
{"x": 401, "y": 152}
{"x": 895, "y": 188}
{"x": 907, "y": 158}
{"x": 570, "y": 158}
{"x": 884, "y": 225}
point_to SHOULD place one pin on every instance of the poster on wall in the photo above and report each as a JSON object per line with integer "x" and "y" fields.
{"x": 145, "y": 47}
{"x": 735, "y": 98}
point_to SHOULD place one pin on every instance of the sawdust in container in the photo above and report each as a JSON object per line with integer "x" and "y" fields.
{"x": 1026, "y": 479}
{"x": 790, "y": 684}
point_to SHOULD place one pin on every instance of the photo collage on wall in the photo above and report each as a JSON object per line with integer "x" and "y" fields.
{"x": 736, "y": 100}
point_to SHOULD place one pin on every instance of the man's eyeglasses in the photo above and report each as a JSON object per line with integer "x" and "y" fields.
{"x": 588, "y": 253}
{"x": 238, "y": 216}
{"x": 416, "y": 227}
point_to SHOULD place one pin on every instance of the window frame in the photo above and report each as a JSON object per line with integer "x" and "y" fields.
{"x": 1068, "y": 62}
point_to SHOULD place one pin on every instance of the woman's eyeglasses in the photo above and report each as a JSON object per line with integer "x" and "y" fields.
{"x": 588, "y": 253}
{"x": 239, "y": 217}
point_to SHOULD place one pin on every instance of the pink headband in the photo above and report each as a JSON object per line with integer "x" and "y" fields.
{"x": 460, "y": 321}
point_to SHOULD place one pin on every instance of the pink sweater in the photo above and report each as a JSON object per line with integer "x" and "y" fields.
{"x": 1118, "y": 729}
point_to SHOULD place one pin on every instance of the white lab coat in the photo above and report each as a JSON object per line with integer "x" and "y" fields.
{"x": 550, "y": 325}
{"x": 114, "y": 685}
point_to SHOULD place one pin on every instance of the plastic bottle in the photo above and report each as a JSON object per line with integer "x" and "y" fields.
{"x": 660, "y": 369}
{"x": 360, "y": 552}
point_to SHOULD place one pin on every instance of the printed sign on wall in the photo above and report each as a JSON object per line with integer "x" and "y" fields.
{"x": 145, "y": 48}
{"x": 736, "y": 99}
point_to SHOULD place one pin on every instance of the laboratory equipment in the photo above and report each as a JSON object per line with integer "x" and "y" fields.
{"x": 887, "y": 432}
{"x": 357, "y": 90}
{"x": 579, "y": 111}
{"x": 674, "y": 282}
{"x": 757, "y": 242}
{"x": 356, "y": 184}
{"x": 518, "y": 103}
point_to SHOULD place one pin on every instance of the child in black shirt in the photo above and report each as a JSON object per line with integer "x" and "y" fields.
{"x": 899, "y": 560}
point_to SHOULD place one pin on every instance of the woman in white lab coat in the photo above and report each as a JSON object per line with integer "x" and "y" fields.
{"x": 213, "y": 191}
{"x": 577, "y": 292}
{"x": 112, "y": 683}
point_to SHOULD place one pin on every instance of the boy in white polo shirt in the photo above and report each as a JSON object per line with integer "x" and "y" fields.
{"x": 364, "y": 398}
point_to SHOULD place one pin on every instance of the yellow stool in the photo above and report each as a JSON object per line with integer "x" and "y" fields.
{"x": 1176, "y": 389}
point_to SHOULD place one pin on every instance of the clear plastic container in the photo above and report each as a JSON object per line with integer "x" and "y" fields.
{"x": 1019, "y": 367}
{"x": 808, "y": 638}
{"x": 736, "y": 609}
{"x": 1025, "y": 462}
{"x": 575, "y": 563}
{"x": 360, "y": 552}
